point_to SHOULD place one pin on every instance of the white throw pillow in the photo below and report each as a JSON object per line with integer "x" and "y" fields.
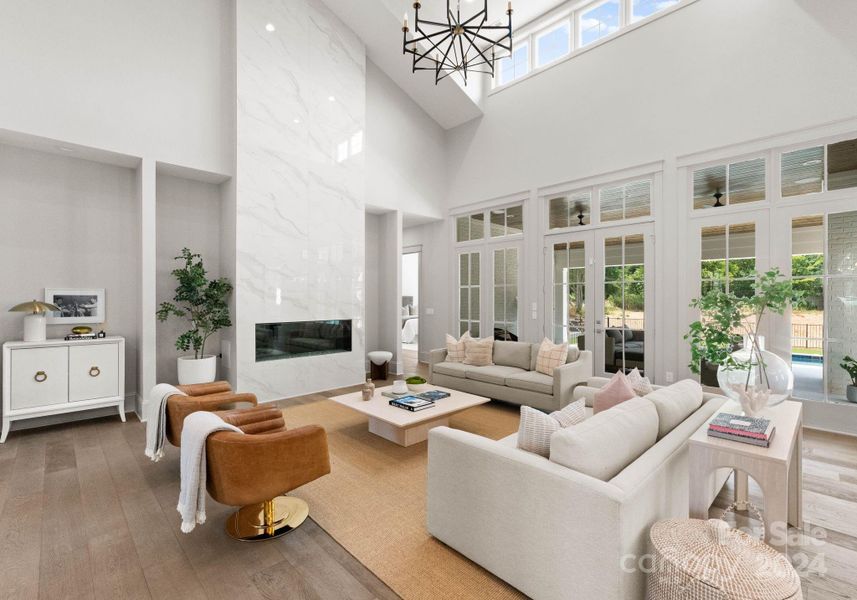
{"x": 536, "y": 428}
{"x": 479, "y": 353}
{"x": 455, "y": 348}
{"x": 551, "y": 356}
{"x": 641, "y": 385}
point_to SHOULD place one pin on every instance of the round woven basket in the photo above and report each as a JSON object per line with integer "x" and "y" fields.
{"x": 708, "y": 560}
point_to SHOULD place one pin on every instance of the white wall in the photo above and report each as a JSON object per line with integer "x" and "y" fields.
{"x": 188, "y": 216}
{"x": 140, "y": 78}
{"x": 405, "y": 151}
{"x": 70, "y": 223}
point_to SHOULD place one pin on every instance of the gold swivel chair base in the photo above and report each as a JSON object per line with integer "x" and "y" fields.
{"x": 267, "y": 520}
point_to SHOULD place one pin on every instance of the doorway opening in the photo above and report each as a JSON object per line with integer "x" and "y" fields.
{"x": 410, "y": 310}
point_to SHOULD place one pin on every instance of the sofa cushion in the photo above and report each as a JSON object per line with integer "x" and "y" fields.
{"x": 551, "y": 356}
{"x": 455, "y": 348}
{"x": 531, "y": 381}
{"x": 479, "y": 352}
{"x": 617, "y": 390}
{"x": 493, "y": 374}
{"x": 573, "y": 354}
{"x": 675, "y": 403}
{"x": 453, "y": 369}
{"x": 604, "y": 444}
{"x": 535, "y": 428}
{"x": 512, "y": 354}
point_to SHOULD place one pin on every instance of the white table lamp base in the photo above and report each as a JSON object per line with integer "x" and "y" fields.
{"x": 35, "y": 327}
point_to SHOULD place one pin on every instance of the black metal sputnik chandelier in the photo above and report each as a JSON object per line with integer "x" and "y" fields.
{"x": 457, "y": 46}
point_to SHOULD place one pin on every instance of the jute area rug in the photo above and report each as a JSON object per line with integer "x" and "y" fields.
{"x": 374, "y": 502}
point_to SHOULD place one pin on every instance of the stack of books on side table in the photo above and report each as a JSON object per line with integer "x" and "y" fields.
{"x": 757, "y": 431}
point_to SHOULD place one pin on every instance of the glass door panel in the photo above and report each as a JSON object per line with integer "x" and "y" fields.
{"x": 624, "y": 303}
{"x": 569, "y": 292}
{"x": 468, "y": 293}
{"x": 505, "y": 290}
{"x": 841, "y": 306}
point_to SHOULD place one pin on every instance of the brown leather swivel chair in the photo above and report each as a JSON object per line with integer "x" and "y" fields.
{"x": 254, "y": 469}
{"x": 210, "y": 397}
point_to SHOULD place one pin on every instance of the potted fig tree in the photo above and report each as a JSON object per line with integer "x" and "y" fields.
{"x": 204, "y": 303}
{"x": 850, "y": 366}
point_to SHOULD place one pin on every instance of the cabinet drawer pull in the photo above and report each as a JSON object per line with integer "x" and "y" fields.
{"x": 40, "y": 376}
{"x": 94, "y": 371}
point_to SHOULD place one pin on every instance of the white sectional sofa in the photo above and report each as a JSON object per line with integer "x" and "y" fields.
{"x": 513, "y": 376}
{"x": 573, "y": 526}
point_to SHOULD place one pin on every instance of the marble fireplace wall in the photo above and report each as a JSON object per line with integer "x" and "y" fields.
{"x": 300, "y": 182}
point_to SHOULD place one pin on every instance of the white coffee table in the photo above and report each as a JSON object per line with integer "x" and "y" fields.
{"x": 777, "y": 469}
{"x": 402, "y": 426}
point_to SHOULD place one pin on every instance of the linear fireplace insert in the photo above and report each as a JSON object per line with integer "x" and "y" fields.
{"x": 275, "y": 341}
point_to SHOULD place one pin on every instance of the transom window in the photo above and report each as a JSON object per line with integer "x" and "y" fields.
{"x": 819, "y": 168}
{"x": 515, "y": 66}
{"x": 599, "y": 21}
{"x": 626, "y": 201}
{"x": 727, "y": 184}
{"x": 470, "y": 227}
{"x": 640, "y": 9}
{"x": 507, "y": 221}
{"x": 569, "y": 210}
{"x": 553, "y": 44}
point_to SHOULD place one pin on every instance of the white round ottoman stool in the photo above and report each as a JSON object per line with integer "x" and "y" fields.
{"x": 708, "y": 560}
{"x": 379, "y": 363}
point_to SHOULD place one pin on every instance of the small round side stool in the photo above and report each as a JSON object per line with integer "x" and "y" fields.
{"x": 708, "y": 560}
{"x": 379, "y": 364}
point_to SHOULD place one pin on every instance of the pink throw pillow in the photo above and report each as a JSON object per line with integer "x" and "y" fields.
{"x": 617, "y": 391}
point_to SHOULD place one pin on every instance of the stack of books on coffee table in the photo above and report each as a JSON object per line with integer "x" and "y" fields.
{"x": 757, "y": 431}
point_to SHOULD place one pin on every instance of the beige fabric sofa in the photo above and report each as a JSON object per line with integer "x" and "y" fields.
{"x": 555, "y": 532}
{"x": 513, "y": 376}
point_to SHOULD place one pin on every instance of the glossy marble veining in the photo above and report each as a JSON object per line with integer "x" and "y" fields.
{"x": 300, "y": 187}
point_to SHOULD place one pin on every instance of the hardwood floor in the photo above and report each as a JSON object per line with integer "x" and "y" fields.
{"x": 83, "y": 514}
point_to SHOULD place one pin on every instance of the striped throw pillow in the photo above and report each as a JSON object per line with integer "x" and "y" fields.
{"x": 479, "y": 353}
{"x": 641, "y": 385}
{"x": 455, "y": 348}
{"x": 551, "y": 356}
{"x": 536, "y": 428}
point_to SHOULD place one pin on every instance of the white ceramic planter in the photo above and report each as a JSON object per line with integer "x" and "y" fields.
{"x": 197, "y": 370}
{"x": 851, "y": 393}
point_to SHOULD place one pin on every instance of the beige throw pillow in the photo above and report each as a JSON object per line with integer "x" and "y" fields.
{"x": 536, "y": 428}
{"x": 641, "y": 385}
{"x": 551, "y": 356}
{"x": 479, "y": 353}
{"x": 455, "y": 348}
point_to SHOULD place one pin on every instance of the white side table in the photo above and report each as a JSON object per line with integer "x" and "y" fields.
{"x": 777, "y": 469}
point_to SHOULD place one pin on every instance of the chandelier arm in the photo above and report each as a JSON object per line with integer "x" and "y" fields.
{"x": 426, "y": 37}
{"x": 473, "y": 41}
{"x": 434, "y": 46}
{"x": 481, "y": 13}
{"x": 463, "y": 56}
{"x": 435, "y": 23}
{"x": 446, "y": 54}
{"x": 494, "y": 42}
{"x": 479, "y": 50}
{"x": 495, "y": 27}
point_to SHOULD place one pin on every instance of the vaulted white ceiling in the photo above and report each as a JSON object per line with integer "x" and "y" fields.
{"x": 378, "y": 23}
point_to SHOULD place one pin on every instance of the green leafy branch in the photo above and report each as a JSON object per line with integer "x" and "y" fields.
{"x": 202, "y": 301}
{"x": 850, "y": 366}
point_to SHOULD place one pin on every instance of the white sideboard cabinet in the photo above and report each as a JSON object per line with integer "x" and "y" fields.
{"x": 58, "y": 376}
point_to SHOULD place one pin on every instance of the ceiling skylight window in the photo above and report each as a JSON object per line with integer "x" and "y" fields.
{"x": 599, "y": 21}
{"x": 640, "y": 9}
{"x": 515, "y": 66}
{"x": 553, "y": 44}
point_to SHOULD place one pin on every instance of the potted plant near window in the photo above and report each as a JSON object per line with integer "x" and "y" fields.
{"x": 750, "y": 375}
{"x": 204, "y": 302}
{"x": 850, "y": 366}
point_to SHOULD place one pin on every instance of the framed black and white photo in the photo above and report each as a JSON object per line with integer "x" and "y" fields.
{"x": 76, "y": 305}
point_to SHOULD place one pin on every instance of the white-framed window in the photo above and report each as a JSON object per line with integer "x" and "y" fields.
{"x": 515, "y": 66}
{"x": 505, "y": 293}
{"x": 469, "y": 289}
{"x": 640, "y": 9}
{"x": 507, "y": 221}
{"x": 470, "y": 227}
{"x": 553, "y": 43}
{"x": 626, "y": 201}
{"x": 819, "y": 168}
{"x": 598, "y": 20}
{"x": 570, "y": 210}
{"x": 728, "y": 184}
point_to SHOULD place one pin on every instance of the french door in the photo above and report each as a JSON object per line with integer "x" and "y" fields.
{"x": 601, "y": 294}
{"x": 489, "y": 284}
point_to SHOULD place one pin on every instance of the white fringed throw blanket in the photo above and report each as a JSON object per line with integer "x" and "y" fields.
{"x": 195, "y": 431}
{"x": 155, "y": 413}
